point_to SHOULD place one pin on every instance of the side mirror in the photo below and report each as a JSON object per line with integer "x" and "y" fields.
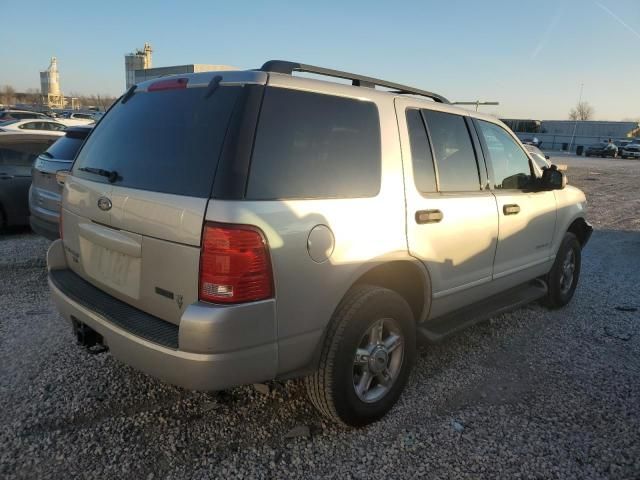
{"x": 553, "y": 179}
{"x": 61, "y": 176}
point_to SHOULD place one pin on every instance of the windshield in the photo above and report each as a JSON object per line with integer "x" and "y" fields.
{"x": 166, "y": 141}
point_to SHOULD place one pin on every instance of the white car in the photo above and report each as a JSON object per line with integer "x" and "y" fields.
{"x": 76, "y": 118}
{"x": 34, "y": 126}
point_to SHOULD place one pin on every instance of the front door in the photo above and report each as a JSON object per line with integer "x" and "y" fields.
{"x": 526, "y": 219}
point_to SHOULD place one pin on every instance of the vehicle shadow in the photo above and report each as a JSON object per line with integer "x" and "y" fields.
{"x": 15, "y": 230}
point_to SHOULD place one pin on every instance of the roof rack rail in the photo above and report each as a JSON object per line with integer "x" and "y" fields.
{"x": 283, "y": 66}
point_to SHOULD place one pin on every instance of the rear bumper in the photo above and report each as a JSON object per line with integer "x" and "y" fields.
{"x": 44, "y": 228}
{"x": 216, "y": 347}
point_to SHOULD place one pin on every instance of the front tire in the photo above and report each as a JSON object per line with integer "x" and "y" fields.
{"x": 366, "y": 358}
{"x": 562, "y": 279}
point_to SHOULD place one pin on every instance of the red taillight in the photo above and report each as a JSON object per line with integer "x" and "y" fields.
{"x": 168, "y": 84}
{"x": 234, "y": 265}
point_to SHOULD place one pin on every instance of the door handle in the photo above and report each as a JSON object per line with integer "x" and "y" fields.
{"x": 5, "y": 176}
{"x": 428, "y": 216}
{"x": 511, "y": 209}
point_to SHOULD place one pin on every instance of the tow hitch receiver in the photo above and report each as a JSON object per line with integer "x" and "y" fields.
{"x": 88, "y": 337}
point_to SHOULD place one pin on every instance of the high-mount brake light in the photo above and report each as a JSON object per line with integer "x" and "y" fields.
{"x": 234, "y": 265}
{"x": 168, "y": 84}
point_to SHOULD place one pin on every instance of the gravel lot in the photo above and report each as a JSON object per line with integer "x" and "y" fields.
{"x": 531, "y": 394}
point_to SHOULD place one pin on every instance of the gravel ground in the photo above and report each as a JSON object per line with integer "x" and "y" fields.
{"x": 529, "y": 394}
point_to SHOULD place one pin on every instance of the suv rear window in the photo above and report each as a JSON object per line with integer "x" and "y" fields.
{"x": 65, "y": 148}
{"x": 310, "y": 145}
{"x": 166, "y": 141}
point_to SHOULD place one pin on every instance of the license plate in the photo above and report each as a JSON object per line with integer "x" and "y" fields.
{"x": 114, "y": 269}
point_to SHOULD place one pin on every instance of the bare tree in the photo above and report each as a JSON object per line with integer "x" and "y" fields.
{"x": 7, "y": 95}
{"x": 582, "y": 111}
{"x": 32, "y": 96}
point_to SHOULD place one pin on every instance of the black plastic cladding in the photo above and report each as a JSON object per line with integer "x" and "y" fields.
{"x": 119, "y": 313}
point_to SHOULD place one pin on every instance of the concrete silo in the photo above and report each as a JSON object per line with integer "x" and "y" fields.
{"x": 50, "y": 86}
{"x": 137, "y": 60}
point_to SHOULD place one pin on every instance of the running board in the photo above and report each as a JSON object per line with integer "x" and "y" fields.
{"x": 440, "y": 328}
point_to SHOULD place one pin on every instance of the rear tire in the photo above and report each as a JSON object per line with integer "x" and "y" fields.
{"x": 562, "y": 279}
{"x": 366, "y": 358}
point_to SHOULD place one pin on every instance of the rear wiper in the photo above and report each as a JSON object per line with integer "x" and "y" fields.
{"x": 111, "y": 175}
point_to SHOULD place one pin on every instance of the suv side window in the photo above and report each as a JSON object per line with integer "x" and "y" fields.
{"x": 455, "y": 157}
{"x": 511, "y": 168}
{"x": 423, "y": 171}
{"x": 311, "y": 145}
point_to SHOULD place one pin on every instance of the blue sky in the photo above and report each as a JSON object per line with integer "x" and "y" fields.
{"x": 529, "y": 56}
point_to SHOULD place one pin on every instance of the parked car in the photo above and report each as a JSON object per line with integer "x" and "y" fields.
{"x": 261, "y": 225}
{"x": 631, "y": 150}
{"x": 602, "y": 149}
{"x": 621, "y": 144}
{"x": 18, "y": 150}
{"x": 97, "y": 116}
{"x": 7, "y": 115}
{"x": 44, "y": 193}
{"x": 76, "y": 118}
{"x": 35, "y": 126}
{"x": 536, "y": 154}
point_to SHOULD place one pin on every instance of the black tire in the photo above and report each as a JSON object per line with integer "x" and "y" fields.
{"x": 559, "y": 295}
{"x": 331, "y": 388}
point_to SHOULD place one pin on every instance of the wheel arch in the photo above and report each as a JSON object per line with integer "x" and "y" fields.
{"x": 410, "y": 279}
{"x": 581, "y": 229}
{"x": 407, "y": 276}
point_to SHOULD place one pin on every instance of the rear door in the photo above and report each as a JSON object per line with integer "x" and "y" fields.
{"x": 135, "y": 231}
{"x": 527, "y": 219}
{"x": 452, "y": 224}
{"x": 17, "y": 155}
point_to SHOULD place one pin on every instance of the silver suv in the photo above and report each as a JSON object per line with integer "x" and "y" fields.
{"x": 227, "y": 228}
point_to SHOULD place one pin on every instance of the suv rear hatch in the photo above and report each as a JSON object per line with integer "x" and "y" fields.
{"x": 135, "y": 204}
{"x": 45, "y": 191}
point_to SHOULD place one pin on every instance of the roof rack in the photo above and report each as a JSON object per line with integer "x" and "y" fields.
{"x": 283, "y": 66}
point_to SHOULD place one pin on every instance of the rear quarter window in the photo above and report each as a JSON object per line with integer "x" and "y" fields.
{"x": 311, "y": 145}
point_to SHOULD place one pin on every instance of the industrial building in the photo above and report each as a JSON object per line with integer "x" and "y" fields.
{"x": 569, "y": 134}
{"x": 138, "y": 60}
{"x": 138, "y": 67}
{"x": 52, "y": 96}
